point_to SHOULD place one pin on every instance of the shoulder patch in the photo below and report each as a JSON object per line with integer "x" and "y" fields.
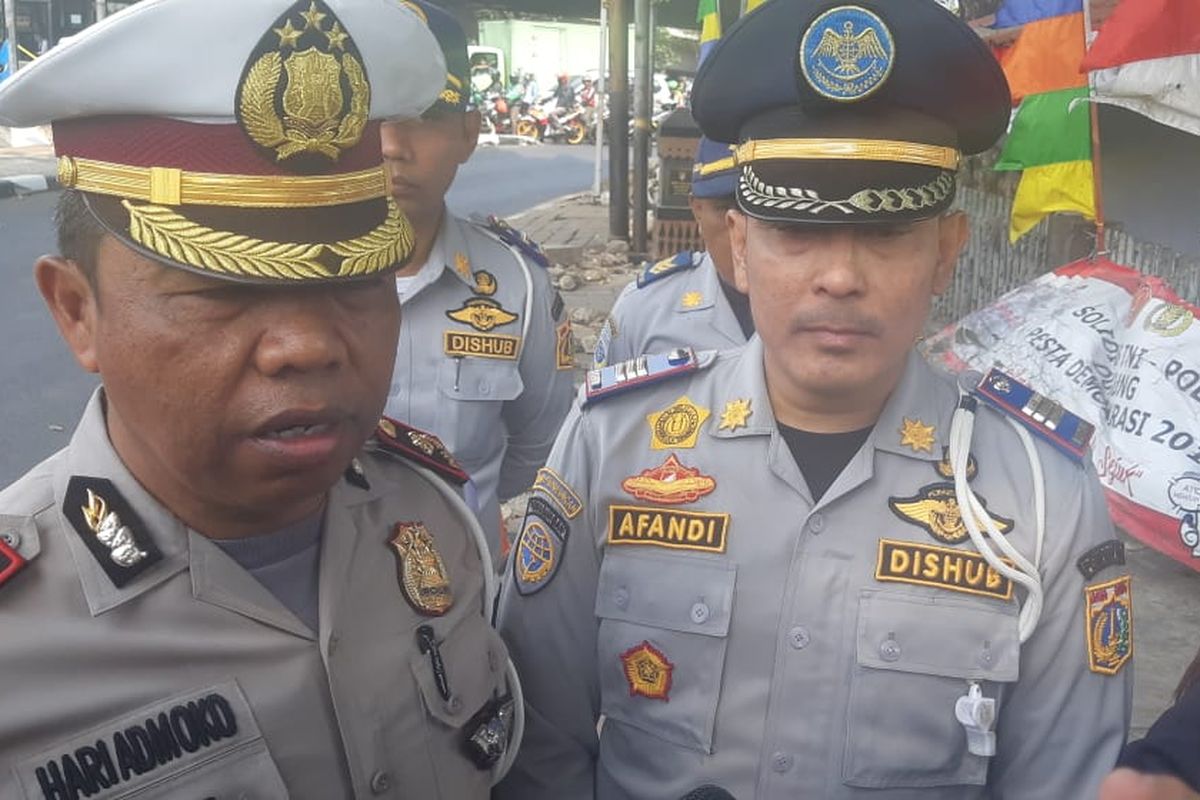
{"x": 416, "y": 445}
{"x": 110, "y": 528}
{"x": 541, "y": 546}
{"x": 640, "y": 371}
{"x": 1109, "y": 617}
{"x": 679, "y": 262}
{"x": 1104, "y": 555}
{"x": 1046, "y": 418}
{"x": 513, "y": 237}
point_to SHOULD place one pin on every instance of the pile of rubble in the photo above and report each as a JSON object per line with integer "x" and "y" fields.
{"x": 589, "y": 288}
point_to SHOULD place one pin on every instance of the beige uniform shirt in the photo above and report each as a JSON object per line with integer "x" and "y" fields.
{"x": 684, "y": 585}
{"x": 192, "y": 681}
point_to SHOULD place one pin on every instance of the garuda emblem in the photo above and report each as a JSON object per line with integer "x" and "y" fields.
{"x": 304, "y": 94}
{"x": 847, "y": 53}
{"x": 935, "y": 508}
{"x": 482, "y": 314}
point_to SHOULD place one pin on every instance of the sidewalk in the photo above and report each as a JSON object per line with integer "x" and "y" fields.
{"x": 574, "y": 232}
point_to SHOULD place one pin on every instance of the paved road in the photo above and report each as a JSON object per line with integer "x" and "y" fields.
{"x": 44, "y": 391}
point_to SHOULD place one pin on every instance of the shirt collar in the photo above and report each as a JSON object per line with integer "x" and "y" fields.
{"x": 746, "y": 389}
{"x": 91, "y": 454}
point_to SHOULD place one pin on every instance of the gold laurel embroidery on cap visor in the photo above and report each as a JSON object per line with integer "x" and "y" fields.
{"x": 173, "y": 236}
{"x": 316, "y": 116}
{"x": 755, "y": 191}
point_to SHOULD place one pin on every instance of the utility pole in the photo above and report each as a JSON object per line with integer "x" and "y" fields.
{"x": 598, "y": 111}
{"x": 641, "y": 121}
{"x": 10, "y": 27}
{"x": 618, "y": 120}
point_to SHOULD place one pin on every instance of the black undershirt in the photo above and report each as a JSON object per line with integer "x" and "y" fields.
{"x": 740, "y": 304}
{"x": 821, "y": 457}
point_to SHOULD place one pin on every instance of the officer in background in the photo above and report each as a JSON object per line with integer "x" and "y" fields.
{"x": 214, "y": 590}
{"x": 799, "y": 568}
{"x": 689, "y": 299}
{"x": 484, "y": 358}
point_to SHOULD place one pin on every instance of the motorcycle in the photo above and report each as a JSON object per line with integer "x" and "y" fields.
{"x": 543, "y": 125}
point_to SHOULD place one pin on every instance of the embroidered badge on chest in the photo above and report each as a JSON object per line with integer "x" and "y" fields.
{"x": 110, "y": 528}
{"x": 940, "y": 567}
{"x": 670, "y": 483}
{"x": 677, "y": 425}
{"x": 485, "y": 283}
{"x": 734, "y": 415}
{"x": 648, "y": 672}
{"x": 944, "y": 469}
{"x": 422, "y": 573}
{"x": 482, "y": 314}
{"x": 935, "y": 508}
{"x": 703, "y": 531}
{"x": 916, "y": 435}
{"x": 1109, "y": 609}
{"x": 461, "y": 344}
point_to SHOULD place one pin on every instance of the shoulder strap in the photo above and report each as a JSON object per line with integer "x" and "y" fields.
{"x": 679, "y": 262}
{"x": 409, "y": 443}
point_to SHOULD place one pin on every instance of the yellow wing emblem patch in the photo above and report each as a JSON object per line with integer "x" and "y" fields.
{"x": 935, "y": 508}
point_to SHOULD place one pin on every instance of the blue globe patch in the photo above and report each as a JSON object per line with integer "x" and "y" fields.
{"x": 847, "y": 53}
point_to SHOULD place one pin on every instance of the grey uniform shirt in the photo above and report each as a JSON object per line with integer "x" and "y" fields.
{"x": 733, "y": 632}
{"x": 261, "y": 705}
{"x": 490, "y": 382}
{"x": 687, "y": 308}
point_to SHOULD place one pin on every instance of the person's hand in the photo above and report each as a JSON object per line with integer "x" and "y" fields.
{"x": 1126, "y": 784}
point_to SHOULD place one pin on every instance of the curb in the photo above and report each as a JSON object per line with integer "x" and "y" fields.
{"x": 22, "y": 185}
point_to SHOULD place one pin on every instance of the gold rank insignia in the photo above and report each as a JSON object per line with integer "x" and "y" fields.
{"x": 677, "y": 425}
{"x": 307, "y": 94}
{"x": 943, "y": 468}
{"x": 670, "y": 483}
{"x": 1109, "y": 610}
{"x": 917, "y": 435}
{"x": 735, "y": 415}
{"x": 110, "y": 528}
{"x": 422, "y": 573}
{"x": 482, "y": 314}
{"x": 462, "y": 265}
{"x": 564, "y": 347}
{"x": 691, "y": 300}
{"x": 935, "y": 508}
{"x": 485, "y": 283}
{"x": 648, "y": 672}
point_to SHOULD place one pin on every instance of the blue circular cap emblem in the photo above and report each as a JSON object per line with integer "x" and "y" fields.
{"x": 847, "y": 53}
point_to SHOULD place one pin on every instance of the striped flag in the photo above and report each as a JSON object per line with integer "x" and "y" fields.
{"x": 708, "y": 14}
{"x": 753, "y": 4}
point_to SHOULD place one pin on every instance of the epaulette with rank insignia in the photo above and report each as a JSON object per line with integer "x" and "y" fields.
{"x": 416, "y": 445}
{"x": 625, "y": 375}
{"x": 513, "y": 237}
{"x": 668, "y": 266}
{"x": 1044, "y": 417}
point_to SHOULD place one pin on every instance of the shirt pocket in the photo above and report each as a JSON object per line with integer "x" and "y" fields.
{"x": 915, "y": 655}
{"x": 675, "y": 612}
{"x": 469, "y": 392}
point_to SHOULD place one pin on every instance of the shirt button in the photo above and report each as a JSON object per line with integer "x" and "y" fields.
{"x": 454, "y": 704}
{"x": 816, "y": 523}
{"x": 485, "y": 388}
{"x": 986, "y": 659}
{"x": 621, "y": 598}
{"x": 11, "y": 538}
{"x": 380, "y": 782}
{"x": 799, "y": 637}
{"x": 700, "y": 613}
{"x": 781, "y": 762}
{"x": 889, "y": 649}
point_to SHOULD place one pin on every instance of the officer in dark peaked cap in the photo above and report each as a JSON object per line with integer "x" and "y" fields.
{"x": 688, "y": 299}
{"x": 236, "y": 580}
{"x": 814, "y": 566}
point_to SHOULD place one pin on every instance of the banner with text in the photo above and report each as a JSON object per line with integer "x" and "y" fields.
{"x": 1121, "y": 350}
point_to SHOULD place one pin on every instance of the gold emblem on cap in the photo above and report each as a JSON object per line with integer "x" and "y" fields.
{"x": 306, "y": 85}
{"x": 676, "y": 426}
{"x": 735, "y": 415}
{"x": 916, "y": 434}
{"x": 422, "y": 573}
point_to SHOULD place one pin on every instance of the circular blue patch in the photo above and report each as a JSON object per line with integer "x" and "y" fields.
{"x": 847, "y": 54}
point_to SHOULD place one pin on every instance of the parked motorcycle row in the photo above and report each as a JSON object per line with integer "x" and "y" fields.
{"x": 543, "y": 121}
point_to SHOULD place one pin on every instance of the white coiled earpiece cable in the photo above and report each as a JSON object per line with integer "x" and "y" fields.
{"x": 1021, "y": 570}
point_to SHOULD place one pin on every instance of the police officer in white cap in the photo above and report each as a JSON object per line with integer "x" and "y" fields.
{"x": 689, "y": 299}
{"x": 215, "y": 590}
{"x": 484, "y": 358}
{"x": 813, "y": 567}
